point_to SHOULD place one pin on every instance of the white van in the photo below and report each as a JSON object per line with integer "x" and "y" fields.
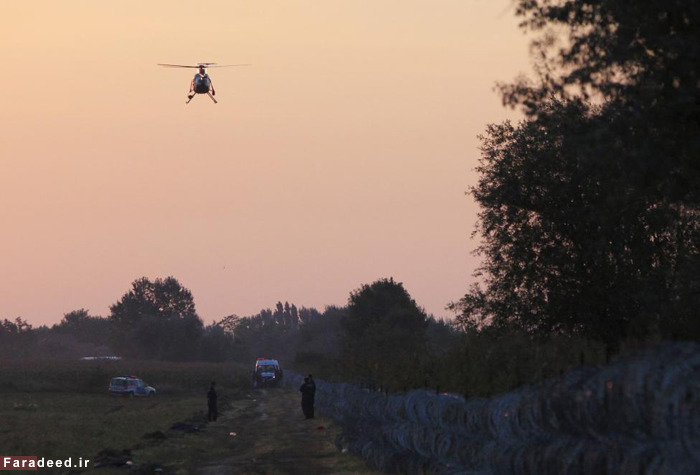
{"x": 267, "y": 372}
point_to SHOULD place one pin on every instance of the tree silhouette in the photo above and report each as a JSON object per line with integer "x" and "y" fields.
{"x": 157, "y": 320}
{"x": 383, "y": 332}
{"x": 590, "y": 206}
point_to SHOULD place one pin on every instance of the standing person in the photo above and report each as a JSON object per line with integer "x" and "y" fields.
{"x": 212, "y": 403}
{"x": 308, "y": 390}
{"x": 313, "y": 395}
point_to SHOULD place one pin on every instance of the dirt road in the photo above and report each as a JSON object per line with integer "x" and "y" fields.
{"x": 262, "y": 433}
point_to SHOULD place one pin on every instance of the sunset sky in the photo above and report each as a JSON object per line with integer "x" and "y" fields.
{"x": 340, "y": 157}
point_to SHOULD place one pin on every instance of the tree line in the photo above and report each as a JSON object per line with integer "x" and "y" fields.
{"x": 381, "y": 338}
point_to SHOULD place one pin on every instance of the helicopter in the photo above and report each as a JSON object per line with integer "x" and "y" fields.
{"x": 201, "y": 83}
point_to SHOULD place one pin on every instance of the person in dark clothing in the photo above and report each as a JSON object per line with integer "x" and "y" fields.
{"x": 313, "y": 385}
{"x": 313, "y": 395}
{"x": 211, "y": 403}
{"x": 308, "y": 393}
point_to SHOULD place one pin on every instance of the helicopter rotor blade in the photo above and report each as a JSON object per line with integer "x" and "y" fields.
{"x": 228, "y": 65}
{"x": 176, "y": 66}
{"x": 205, "y": 65}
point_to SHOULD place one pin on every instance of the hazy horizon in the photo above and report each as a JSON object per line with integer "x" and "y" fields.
{"x": 341, "y": 156}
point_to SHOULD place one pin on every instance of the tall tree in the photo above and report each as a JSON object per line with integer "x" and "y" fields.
{"x": 383, "y": 332}
{"x": 16, "y": 338}
{"x": 158, "y": 320}
{"x": 86, "y": 328}
{"x": 163, "y": 298}
{"x": 268, "y": 333}
{"x": 590, "y": 206}
{"x": 641, "y": 61}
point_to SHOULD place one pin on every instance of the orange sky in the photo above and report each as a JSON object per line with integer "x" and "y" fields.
{"x": 340, "y": 157}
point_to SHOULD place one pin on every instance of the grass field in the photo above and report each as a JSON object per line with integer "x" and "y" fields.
{"x": 62, "y": 409}
{"x": 82, "y": 425}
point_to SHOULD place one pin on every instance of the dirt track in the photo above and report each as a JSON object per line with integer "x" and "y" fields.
{"x": 263, "y": 433}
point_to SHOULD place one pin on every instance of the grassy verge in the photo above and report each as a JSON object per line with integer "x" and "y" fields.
{"x": 61, "y": 409}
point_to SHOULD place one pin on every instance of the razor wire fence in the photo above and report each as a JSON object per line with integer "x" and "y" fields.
{"x": 640, "y": 415}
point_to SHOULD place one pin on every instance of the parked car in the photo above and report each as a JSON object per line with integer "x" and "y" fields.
{"x": 267, "y": 372}
{"x": 130, "y": 386}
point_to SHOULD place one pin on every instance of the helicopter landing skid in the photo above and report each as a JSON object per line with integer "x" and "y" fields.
{"x": 212, "y": 98}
